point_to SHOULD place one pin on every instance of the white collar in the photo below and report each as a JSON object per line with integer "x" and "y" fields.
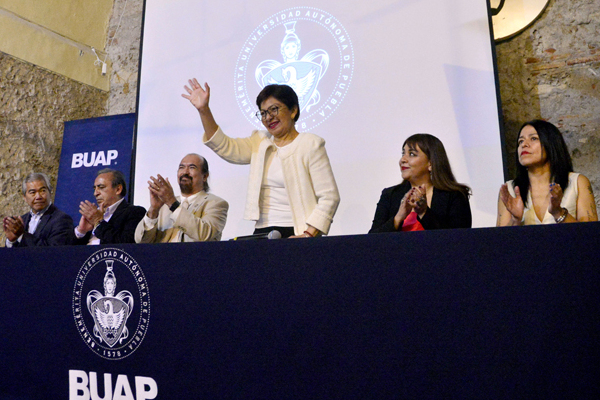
{"x": 40, "y": 213}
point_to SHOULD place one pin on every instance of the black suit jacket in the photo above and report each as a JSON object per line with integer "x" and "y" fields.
{"x": 54, "y": 229}
{"x": 121, "y": 226}
{"x": 448, "y": 210}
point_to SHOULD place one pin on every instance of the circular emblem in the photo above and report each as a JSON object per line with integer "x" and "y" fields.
{"x": 305, "y": 48}
{"x": 111, "y": 304}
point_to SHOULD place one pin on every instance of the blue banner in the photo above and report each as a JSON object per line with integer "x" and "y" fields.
{"x": 494, "y": 313}
{"x": 90, "y": 145}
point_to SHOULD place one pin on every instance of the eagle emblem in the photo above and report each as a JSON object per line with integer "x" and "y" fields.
{"x": 302, "y": 75}
{"x": 110, "y": 312}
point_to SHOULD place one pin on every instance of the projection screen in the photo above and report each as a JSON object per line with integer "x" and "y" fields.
{"x": 383, "y": 70}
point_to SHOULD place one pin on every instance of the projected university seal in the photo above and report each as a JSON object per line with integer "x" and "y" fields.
{"x": 112, "y": 321}
{"x": 305, "y": 48}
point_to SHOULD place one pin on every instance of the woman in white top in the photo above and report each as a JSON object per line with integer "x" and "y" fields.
{"x": 291, "y": 186}
{"x": 546, "y": 190}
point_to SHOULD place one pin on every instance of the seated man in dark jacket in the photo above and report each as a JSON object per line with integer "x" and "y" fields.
{"x": 113, "y": 220}
{"x": 44, "y": 224}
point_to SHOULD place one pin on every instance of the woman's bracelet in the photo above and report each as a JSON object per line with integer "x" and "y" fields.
{"x": 562, "y": 217}
{"x": 308, "y": 234}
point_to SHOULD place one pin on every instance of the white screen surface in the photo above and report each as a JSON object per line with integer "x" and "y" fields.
{"x": 383, "y": 70}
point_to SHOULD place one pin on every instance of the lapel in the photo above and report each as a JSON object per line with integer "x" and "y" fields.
{"x": 118, "y": 212}
{"x": 195, "y": 205}
{"x": 26, "y": 218}
{"x": 439, "y": 199}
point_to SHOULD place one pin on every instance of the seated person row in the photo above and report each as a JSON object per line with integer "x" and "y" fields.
{"x": 428, "y": 198}
{"x": 552, "y": 192}
{"x": 113, "y": 220}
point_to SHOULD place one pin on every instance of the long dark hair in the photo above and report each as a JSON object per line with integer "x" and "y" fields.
{"x": 442, "y": 177}
{"x": 557, "y": 155}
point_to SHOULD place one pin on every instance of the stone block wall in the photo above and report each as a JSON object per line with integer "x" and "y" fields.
{"x": 552, "y": 71}
{"x": 34, "y": 103}
{"x": 123, "y": 47}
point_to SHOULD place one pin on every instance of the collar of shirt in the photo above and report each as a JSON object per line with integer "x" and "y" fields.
{"x": 111, "y": 209}
{"x": 40, "y": 213}
{"x": 190, "y": 199}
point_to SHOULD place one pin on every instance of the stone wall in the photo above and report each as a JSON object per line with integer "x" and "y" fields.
{"x": 549, "y": 71}
{"x": 34, "y": 103}
{"x": 123, "y": 47}
{"x": 552, "y": 71}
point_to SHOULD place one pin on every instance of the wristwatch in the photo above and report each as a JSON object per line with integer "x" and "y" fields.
{"x": 174, "y": 206}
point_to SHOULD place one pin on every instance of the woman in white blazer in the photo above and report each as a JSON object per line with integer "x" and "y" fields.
{"x": 291, "y": 186}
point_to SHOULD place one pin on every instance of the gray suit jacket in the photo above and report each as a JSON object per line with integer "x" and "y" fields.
{"x": 203, "y": 220}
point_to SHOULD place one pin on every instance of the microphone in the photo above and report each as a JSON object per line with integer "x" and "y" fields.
{"x": 274, "y": 234}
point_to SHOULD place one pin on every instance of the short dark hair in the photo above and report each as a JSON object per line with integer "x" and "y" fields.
{"x": 282, "y": 93}
{"x": 34, "y": 177}
{"x": 442, "y": 177}
{"x": 117, "y": 179}
{"x": 557, "y": 153}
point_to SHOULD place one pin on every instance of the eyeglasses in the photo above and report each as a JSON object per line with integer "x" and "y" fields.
{"x": 272, "y": 111}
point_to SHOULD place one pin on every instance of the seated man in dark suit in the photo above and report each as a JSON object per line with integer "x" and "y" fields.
{"x": 114, "y": 220}
{"x": 44, "y": 224}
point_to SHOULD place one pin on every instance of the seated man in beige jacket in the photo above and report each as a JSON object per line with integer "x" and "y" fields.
{"x": 196, "y": 216}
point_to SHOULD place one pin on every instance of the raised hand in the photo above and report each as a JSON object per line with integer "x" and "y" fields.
{"x": 155, "y": 202}
{"x": 91, "y": 213}
{"x": 13, "y": 227}
{"x": 404, "y": 209}
{"x": 84, "y": 225}
{"x": 162, "y": 189}
{"x": 197, "y": 95}
{"x": 514, "y": 205}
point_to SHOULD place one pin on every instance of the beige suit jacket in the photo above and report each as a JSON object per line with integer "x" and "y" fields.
{"x": 203, "y": 220}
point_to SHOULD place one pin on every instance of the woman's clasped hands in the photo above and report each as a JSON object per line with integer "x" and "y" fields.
{"x": 414, "y": 200}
